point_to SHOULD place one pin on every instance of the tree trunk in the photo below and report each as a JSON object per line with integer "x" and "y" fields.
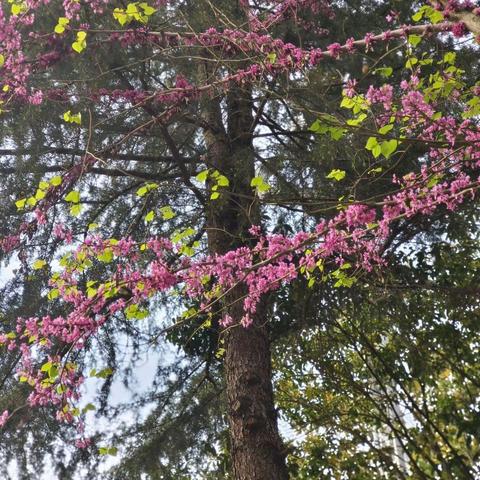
{"x": 256, "y": 448}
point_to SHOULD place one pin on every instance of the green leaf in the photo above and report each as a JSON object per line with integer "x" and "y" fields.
{"x": 418, "y": 16}
{"x": 336, "y": 133}
{"x": 377, "y": 150}
{"x": 337, "y": 174}
{"x": 78, "y": 46}
{"x": 61, "y": 389}
{"x": 372, "y": 142}
{"x": 256, "y": 181}
{"x": 56, "y": 181}
{"x": 53, "y": 294}
{"x": 411, "y": 62}
{"x": 389, "y": 147}
{"x": 167, "y": 213}
{"x": 272, "y": 57}
{"x": 75, "y": 209}
{"x": 40, "y": 194}
{"x": 450, "y": 57}
{"x": 202, "y": 176}
{"x": 106, "y": 256}
{"x": 414, "y": 40}
{"x": 53, "y": 372}
{"x": 222, "y": 181}
{"x": 73, "y": 197}
{"x": 436, "y": 17}
{"x": 142, "y": 191}
{"x": 20, "y": 204}
{"x": 434, "y": 180}
{"x": 147, "y": 9}
{"x": 214, "y": 196}
{"x": 259, "y": 184}
{"x": 81, "y": 43}
{"x": 38, "y": 264}
{"x": 91, "y": 292}
{"x": 18, "y": 8}
{"x": 178, "y": 236}
{"x": 149, "y": 216}
{"x": 384, "y": 71}
{"x": 104, "y": 373}
{"x": 357, "y": 120}
{"x": 120, "y": 15}
{"x": 347, "y": 102}
{"x": 46, "y": 367}
{"x": 385, "y": 129}
{"x": 318, "y": 127}
{"x": 62, "y": 23}
{"x": 88, "y": 407}
{"x": 220, "y": 353}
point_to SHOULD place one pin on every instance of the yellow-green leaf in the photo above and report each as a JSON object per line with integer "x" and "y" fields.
{"x": 150, "y": 216}
{"x": 202, "y": 176}
{"x": 389, "y": 147}
{"x": 53, "y": 294}
{"x": 167, "y": 213}
{"x": 73, "y": 197}
{"x": 56, "y": 181}
{"x": 106, "y": 256}
{"x": 414, "y": 40}
{"x": 222, "y": 181}
{"x": 20, "y": 204}
{"x": 38, "y": 264}
{"x": 40, "y": 194}
{"x": 337, "y": 174}
{"x": 81, "y": 43}
{"x": 75, "y": 209}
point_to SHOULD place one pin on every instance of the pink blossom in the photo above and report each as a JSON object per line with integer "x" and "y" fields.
{"x": 83, "y": 443}
{"x": 335, "y": 50}
{"x": 4, "y": 418}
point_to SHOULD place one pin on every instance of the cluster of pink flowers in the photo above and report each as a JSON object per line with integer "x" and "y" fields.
{"x": 3, "y": 418}
{"x": 287, "y": 9}
{"x": 451, "y": 6}
{"x": 17, "y": 68}
{"x": 383, "y": 95}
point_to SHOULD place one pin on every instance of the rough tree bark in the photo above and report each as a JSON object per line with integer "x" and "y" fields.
{"x": 256, "y": 447}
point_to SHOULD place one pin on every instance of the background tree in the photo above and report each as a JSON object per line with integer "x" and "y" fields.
{"x": 167, "y": 143}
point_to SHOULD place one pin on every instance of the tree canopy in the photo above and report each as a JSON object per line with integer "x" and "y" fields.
{"x": 274, "y": 204}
